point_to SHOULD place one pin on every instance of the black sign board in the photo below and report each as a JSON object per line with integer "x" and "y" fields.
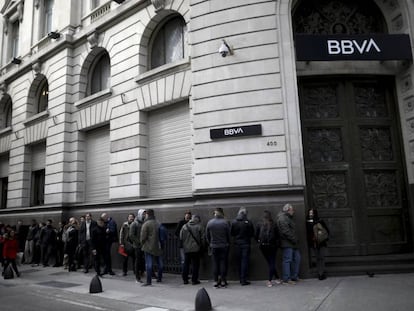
{"x": 236, "y": 131}
{"x": 353, "y": 47}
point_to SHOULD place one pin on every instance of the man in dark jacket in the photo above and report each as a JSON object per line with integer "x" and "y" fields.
{"x": 192, "y": 238}
{"x": 218, "y": 237}
{"x": 135, "y": 237}
{"x": 111, "y": 237}
{"x": 30, "y": 242}
{"x": 85, "y": 236}
{"x": 289, "y": 244}
{"x": 47, "y": 242}
{"x": 242, "y": 230}
{"x": 151, "y": 246}
{"x": 98, "y": 244}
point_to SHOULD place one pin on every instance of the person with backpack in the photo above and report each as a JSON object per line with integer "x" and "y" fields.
{"x": 267, "y": 235}
{"x": 318, "y": 235}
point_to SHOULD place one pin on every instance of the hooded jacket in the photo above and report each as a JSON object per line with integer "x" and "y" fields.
{"x": 242, "y": 229}
{"x": 192, "y": 236}
{"x": 135, "y": 229}
{"x": 150, "y": 240}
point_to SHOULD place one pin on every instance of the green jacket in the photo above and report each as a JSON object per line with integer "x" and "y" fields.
{"x": 287, "y": 231}
{"x": 150, "y": 240}
{"x": 192, "y": 237}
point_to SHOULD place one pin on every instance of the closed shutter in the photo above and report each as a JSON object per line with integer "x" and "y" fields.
{"x": 38, "y": 157}
{"x": 170, "y": 151}
{"x": 4, "y": 165}
{"x": 97, "y": 165}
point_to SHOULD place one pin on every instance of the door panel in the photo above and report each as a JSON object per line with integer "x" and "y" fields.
{"x": 353, "y": 163}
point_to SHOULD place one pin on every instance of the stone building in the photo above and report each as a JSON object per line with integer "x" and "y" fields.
{"x": 191, "y": 104}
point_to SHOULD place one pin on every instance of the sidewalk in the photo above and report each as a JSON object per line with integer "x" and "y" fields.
{"x": 390, "y": 292}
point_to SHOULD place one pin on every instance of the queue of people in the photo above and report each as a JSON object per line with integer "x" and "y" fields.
{"x": 88, "y": 243}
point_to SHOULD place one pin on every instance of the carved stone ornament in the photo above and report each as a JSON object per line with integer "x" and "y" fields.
{"x": 36, "y": 67}
{"x": 93, "y": 39}
{"x": 158, "y": 4}
{"x": 3, "y": 88}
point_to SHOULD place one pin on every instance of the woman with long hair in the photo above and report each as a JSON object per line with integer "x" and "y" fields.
{"x": 267, "y": 235}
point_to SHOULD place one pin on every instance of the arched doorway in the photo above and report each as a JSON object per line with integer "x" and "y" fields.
{"x": 354, "y": 164}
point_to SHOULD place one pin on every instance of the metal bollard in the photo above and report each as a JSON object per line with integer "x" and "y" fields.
{"x": 202, "y": 300}
{"x": 95, "y": 286}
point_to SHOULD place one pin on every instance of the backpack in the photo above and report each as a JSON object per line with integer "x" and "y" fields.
{"x": 320, "y": 233}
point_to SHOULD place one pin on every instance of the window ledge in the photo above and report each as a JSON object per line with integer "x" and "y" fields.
{"x": 6, "y": 130}
{"x": 94, "y": 97}
{"x": 37, "y": 117}
{"x": 163, "y": 70}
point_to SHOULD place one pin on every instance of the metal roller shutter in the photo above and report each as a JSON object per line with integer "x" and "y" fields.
{"x": 170, "y": 151}
{"x": 97, "y": 165}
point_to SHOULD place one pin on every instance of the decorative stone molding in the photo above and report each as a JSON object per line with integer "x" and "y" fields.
{"x": 37, "y": 4}
{"x": 93, "y": 39}
{"x": 158, "y": 4}
{"x": 36, "y": 67}
{"x": 20, "y": 8}
{"x": 3, "y": 88}
{"x": 5, "y": 24}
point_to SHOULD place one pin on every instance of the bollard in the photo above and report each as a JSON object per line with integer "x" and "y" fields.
{"x": 202, "y": 300}
{"x": 96, "y": 285}
{"x": 8, "y": 273}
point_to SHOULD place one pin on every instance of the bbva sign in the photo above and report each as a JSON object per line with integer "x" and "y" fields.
{"x": 355, "y": 47}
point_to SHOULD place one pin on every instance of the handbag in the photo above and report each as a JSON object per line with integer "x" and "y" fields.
{"x": 121, "y": 251}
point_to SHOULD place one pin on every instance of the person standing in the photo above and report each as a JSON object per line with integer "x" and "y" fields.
{"x": 242, "y": 230}
{"x": 98, "y": 244}
{"x": 10, "y": 250}
{"x": 151, "y": 246}
{"x": 85, "y": 235}
{"x": 125, "y": 241}
{"x": 111, "y": 237}
{"x": 290, "y": 245}
{"x": 318, "y": 249}
{"x": 218, "y": 238}
{"x": 30, "y": 242}
{"x": 192, "y": 238}
{"x": 135, "y": 237}
{"x": 72, "y": 241}
{"x": 60, "y": 245}
{"x": 181, "y": 223}
{"x": 47, "y": 242}
{"x": 267, "y": 235}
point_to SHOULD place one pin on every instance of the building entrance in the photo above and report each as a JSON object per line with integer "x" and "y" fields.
{"x": 353, "y": 163}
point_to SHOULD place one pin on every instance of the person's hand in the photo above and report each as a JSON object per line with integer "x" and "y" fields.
{"x": 94, "y": 252}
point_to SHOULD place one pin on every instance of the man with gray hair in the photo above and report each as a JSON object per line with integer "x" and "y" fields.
{"x": 289, "y": 244}
{"x": 242, "y": 230}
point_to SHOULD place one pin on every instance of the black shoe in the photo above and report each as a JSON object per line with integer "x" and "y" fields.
{"x": 245, "y": 283}
{"x": 85, "y": 270}
{"x": 195, "y": 283}
{"x": 216, "y": 285}
{"x": 321, "y": 277}
{"x": 112, "y": 273}
{"x": 124, "y": 274}
{"x": 146, "y": 284}
{"x": 185, "y": 282}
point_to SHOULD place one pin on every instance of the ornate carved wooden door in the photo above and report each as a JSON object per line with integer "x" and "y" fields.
{"x": 353, "y": 160}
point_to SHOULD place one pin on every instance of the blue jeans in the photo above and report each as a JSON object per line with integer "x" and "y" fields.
{"x": 220, "y": 258}
{"x": 243, "y": 256}
{"x": 148, "y": 267}
{"x": 291, "y": 263}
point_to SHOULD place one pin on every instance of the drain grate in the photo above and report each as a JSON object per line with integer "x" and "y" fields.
{"x": 58, "y": 284}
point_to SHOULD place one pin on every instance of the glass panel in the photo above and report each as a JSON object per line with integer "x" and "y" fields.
{"x": 381, "y": 189}
{"x": 15, "y": 39}
{"x": 329, "y": 190}
{"x": 43, "y": 97}
{"x": 320, "y": 102}
{"x": 100, "y": 76}
{"x": 325, "y": 145}
{"x": 8, "y": 114}
{"x": 174, "y": 41}
{"x": 48, "y": 15}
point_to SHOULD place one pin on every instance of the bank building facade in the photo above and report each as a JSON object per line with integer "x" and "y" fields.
{"x": 175, "y": 105}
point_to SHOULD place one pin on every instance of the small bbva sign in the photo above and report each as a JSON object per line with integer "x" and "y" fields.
{"x": 353, "y": 47}
{"x": 236, "y": 131}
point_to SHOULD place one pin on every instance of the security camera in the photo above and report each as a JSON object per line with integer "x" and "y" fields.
{"x": 224, "y": 49}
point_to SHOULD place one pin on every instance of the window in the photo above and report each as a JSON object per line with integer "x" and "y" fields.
{"x": 94, "y": 4}
{"x": 4, "y": 183}
{"x": 48, "y": 17}
{"x": 5, "y": 112}
{"x": 14, "y": 39}
{"x": 38, "y": 187}
{"x": 99, "y": 74}
{"x": 42, "y": 96}
{"x": 168, "y": 44}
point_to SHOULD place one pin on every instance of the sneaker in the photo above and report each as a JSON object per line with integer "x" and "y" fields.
{"x": 322, "y": 277}
{"x": 216, "y": 285}
{"x": 138, "y": 281}
{"x": 245, "y": 283}
{"x": 290, "y": 282}
{"x": 146, "y": 284}
{"x": 278, "y": 281}
{"x": 195, "y": 283}
{"x": 269, "y": 284}
{"x": 185, "y": 282}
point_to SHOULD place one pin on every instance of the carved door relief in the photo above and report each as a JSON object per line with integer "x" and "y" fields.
{"x": 354, "y": 167}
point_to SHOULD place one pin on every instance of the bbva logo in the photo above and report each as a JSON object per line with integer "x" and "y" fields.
{"x": 348, "y": 47}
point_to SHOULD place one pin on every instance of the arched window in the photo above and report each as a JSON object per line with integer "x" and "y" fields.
{"x": 42, "y": 96}
{"x": 168, "y": 43}
{"x": 100, "y": 73}
{"x": 338, "y": 17}
{"x": 5, "y": 112}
